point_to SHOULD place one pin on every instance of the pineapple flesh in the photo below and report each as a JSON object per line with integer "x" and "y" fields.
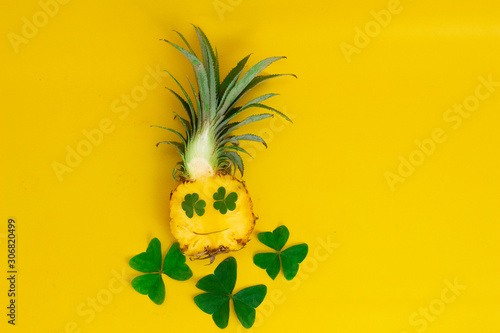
{"x": 211, "y": 233}
{"x": 211, "y": 210}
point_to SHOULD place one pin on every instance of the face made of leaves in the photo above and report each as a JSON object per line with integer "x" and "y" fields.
{"x": 289, "y": 258}
{"x": 219, "y": 287}
{"x": 151, "y": 284}
{"x": 193, "y": 204}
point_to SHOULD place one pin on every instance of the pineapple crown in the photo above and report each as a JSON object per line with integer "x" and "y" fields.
{"x": 208, "y": 145}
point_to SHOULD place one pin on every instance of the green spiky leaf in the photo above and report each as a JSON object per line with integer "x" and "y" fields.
{"x": 234, "y": 73}
{"x": 209, "y": 64}
{"x": 236, "y": 148}
{"x": 235, "y": 160}
{"x": 180, "y": 147}
{"x": 236, "y": 93}
{"x": 262, "y": 106}
{"x": 186, "y": 124}
{"x": 186, "y": 103}
{"x": 201, "y": 75}
{"x": 212, "y": 107}
{"x": 251, "y": 119}
{"x": 247, "y": 137}
{"x": 185, "y": 41}
{"x": 173, "y": 131}
{"x": 259, "y": 79}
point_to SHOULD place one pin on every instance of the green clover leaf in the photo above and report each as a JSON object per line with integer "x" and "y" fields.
{"x": 276, "y": 239}
{"x": 223, "y": 203}
{"x": 289, "y": 258}
{"x": 152, "y": 284}
{"x": 175, "y": 265}
{"x": 149, "y": 261}
{"x": 191, "y": 204}
{"x": 270, "y": 262}
{"x": 246, "y": 300}
{"x": 219, "y": 287}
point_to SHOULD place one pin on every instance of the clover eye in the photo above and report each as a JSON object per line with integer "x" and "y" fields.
{"x": 223, "y": 203}
{"x": 192, "y": 204}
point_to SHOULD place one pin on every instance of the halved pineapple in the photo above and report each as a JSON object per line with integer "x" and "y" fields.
{"x": 212, "y": 231}
{"x": 210, "y": 210}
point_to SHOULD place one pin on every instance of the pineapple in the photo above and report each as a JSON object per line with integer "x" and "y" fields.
{"x": 211, "y": 210}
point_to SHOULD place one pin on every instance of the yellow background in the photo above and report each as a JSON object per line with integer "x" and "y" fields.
{"x": 392, "y": 253}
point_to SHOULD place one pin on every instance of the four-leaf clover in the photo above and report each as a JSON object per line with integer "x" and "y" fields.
{"x": 290, "y": 258}
{"x": 192, "y": 204}
{"x": 219, "y": 287}
{"x": 174, "y": 266}
{"x": 223, "y": 203}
